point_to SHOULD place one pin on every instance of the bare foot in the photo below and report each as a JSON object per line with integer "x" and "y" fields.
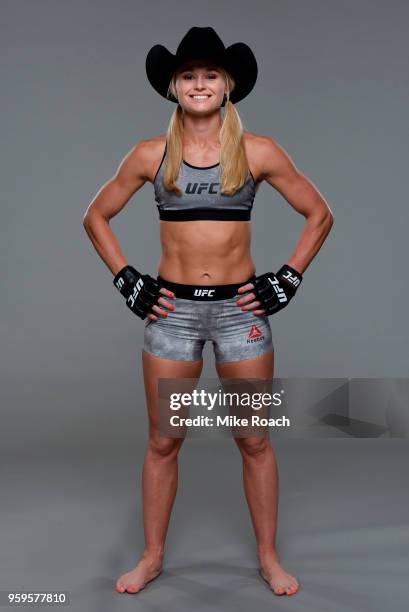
{"x": 148, "y": 568}
{"x": 279, "y": 581}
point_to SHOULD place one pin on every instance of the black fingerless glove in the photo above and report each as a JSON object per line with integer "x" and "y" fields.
{"x": 141, "y": 291}
{"x": 274, "y": 291}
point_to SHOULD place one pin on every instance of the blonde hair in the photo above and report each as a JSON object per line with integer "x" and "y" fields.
{"x": 234, "y": 168}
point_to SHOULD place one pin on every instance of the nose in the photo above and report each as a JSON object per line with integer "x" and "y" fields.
{"x": 199, "y": 83}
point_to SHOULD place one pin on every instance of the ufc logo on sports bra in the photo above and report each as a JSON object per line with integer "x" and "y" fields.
{"x": 197, "y": 188}
{"x": 280, "y": 293}
{"x": 138, "y": 286}
{"x": 204, "y": 292}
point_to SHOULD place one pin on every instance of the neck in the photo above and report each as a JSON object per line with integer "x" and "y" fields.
{"x": 202, "y": 132}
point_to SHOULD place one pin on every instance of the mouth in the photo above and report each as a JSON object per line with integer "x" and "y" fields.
{"x": 200, "y": 97}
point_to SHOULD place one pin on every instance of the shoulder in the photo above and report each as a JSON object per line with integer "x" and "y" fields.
{"x": 263, "y": 153}
{"x": 154, "y": 148}
{"x": 145, "y": 156}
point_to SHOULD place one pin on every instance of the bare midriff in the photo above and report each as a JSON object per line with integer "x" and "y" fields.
{"x": 206, "y": 252}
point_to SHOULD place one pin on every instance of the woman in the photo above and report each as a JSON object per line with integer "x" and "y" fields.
{"x": 205, "y": 173}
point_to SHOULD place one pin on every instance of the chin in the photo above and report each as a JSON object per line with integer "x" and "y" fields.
{"x": 202, "y": 111}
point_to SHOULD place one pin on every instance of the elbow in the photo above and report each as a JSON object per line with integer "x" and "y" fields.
{"x": 86, "y": 222}
{"x": 327, "y": 222}
{"x": 92, "y": 221}
{"x": 326, "y": 218}
{"x": 323, "y": 219}
{"x": 93, "y": 216}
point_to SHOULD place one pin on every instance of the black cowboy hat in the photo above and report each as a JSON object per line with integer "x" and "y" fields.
{"x": 203, "y": 43}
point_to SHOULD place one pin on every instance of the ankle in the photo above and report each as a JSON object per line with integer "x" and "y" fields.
{"x": 153, "y": 553}
{"x": 266, "y": 550}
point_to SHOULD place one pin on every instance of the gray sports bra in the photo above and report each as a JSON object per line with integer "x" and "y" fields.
{"x": 201, "y": 197}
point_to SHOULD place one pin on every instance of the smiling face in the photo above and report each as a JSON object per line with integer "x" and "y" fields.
{"x": 200, "y": 87}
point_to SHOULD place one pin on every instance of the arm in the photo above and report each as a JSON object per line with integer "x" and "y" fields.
{"x": 274, "y": 292}
{"x": 110, "y": 200}
{"x": 280, "y": 172}
{"x": 132, "y": 173}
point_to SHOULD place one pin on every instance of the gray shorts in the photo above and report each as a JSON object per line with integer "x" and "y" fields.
{"x": 235, "y": 334}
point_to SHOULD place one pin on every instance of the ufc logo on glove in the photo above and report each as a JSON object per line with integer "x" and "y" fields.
{"x": 279, "y": 291}
{"x": 120, "y": 283}
{"x": 137, "y": 287}
{"x": 291, "y": 278}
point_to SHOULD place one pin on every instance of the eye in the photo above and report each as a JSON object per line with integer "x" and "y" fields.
{"x": 188, "y": 76}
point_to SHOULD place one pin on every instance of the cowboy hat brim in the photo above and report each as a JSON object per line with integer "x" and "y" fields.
{"x": 238, "y": 59}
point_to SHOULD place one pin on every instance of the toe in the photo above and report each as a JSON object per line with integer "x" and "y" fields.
{"x": 279, "y": 591}
{"x": 119, "y": 587}
{"x": 132, "y": 588}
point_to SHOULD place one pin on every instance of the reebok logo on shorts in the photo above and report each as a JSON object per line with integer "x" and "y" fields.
{"x": 255, "y": 335}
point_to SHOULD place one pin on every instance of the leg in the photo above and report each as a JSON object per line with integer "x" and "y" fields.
{"x": 260, "y": 477}
{"x": 159, "y": 475}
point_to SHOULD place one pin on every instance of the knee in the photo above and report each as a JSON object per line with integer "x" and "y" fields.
{"x": 162, "y": 447}
{"x": 252, "y": 447}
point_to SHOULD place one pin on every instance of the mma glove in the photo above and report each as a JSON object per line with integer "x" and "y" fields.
{"x": 274, "y": 291}
{"x": 140, "y": 291}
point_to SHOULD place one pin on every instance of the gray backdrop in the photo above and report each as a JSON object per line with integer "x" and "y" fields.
{"x": 333, "y": 91}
